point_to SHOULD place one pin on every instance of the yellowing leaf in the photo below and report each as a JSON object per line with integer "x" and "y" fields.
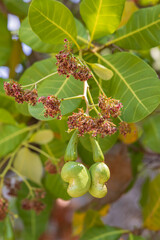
{"x": 104, "y": 210}
{"x": 78, "y": 219}
{"x": 29, "y": 165}
{"x": 132, "y": 136}
{"x": 102, "y": 72}
{"x": 129, "y": 9}
{"x": 42, "y": 136}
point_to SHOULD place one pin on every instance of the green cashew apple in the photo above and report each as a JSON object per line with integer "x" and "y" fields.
{"x": 99, "y": 176}
{"x": 97, "y": 152}
{"x": 71, "y": 150}
{"x": 78, "y": 178}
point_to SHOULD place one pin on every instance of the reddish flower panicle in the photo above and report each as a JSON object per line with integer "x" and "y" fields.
{"x": 87, "y": 124}
{"x": 124, "y": 128}
{"x": 51, "y": 105}
{"x": 15, "y": 90}
{"x": 110, "y": 107}
{"x": 68, "y": 65}
{"x": 50, "y": 168}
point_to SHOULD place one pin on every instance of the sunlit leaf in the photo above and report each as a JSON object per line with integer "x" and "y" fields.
{"x": 141, "y": 31}
{"x": 101, "y": 16}
{"x": 6, "y": 117}
{"x": 134, "y": 83}
{"x": 52, "y": 21}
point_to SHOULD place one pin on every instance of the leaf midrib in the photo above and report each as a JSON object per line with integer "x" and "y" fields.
{"x": 58, "y": 26}
{"x": 97, "y": 17}
{"x": 123, "y": 79}
{"x": 132, "y": 33}
{"x": 109, "y": 234}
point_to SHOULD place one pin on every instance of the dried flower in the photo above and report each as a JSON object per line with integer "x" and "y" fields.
{"x": 51, "y": 105}
{"x": 124, "y": 128}
{"x": 68, "y": 65}
{"x": 110, "y": 107}
{"x": 39, "y": 193}
{"x": 3, "y": 208}
{"x": 38, "y": 206}
{"x": 13, "y": 188}
{"x": 14, "y": 90}
{"x": 27, "y": 204}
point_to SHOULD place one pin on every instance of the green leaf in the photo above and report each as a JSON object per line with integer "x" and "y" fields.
{"x": 10, "y": 138}
{"x": 141, "y": 31}
{"x": 52, "y": 84}
{"x": 133, "y": 237}
{"x": 102, "y": 17}
{"x": 52, "y": 21}
{"x": 5, "y": 41}
{"x": 105, "y": 143}
{"x": 42, "y": 136}
{"x": 151, "y": 134}
{"x": 6, "y": 117}
{"x": 28, "y": 164}
{"x": 56, "y": 186}
{"x": 17, "y": 7}
{"x": 55, "y": 148}
{"x": 134, "y": 83}
{"x": 28, "y": 37}
{"x": 102, "y": 233}
{"x": 151, "y": 210}
{"x": 33, "y": 225}
{"x": 101, "y": 71}
{"x": 8, "y": 229}
{"x": 23, "y": 108}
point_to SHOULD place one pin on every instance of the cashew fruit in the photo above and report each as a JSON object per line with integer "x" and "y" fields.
{"x": 71, "y": 150}
{"x": 78, "y": 178}
{"x": 99, "y": 176}
{"x": 97, "y": 152}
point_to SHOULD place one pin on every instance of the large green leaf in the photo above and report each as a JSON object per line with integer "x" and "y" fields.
{"x": 102, "y": 233}
{"x": 34, "y": 225}
{"x": 28, "y": 37}
{"x": 10, "y": 138}
{"x": 134, "y": 83}
{"x": 101, "y": 16}
{"x": 53, "y": 84}
{"x": 151, "y": 134}
{"x": 5, "y": 41}
{"x": 142, "y": 31}
{"x": 52, "y": 21}
{"x": 151, "y": 210}
{"x": 56, "y": 186}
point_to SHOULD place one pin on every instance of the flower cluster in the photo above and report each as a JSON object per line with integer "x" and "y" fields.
{"x": 13, "y": 188}
{"x": 49, "y": 167}
{"x": 14, "y": 90}
{"x": 124, "y": 128}
{"x": 51, "y": 105}
{"x": 3, "y": 208}
{"x": 110, "y": 107}
{"x": 68, "y": 65}
{"x": 88, "y": 124}
{"x": 35, "y": 204}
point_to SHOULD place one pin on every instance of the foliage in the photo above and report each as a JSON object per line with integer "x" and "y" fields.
{"x": 88, "y": 86}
